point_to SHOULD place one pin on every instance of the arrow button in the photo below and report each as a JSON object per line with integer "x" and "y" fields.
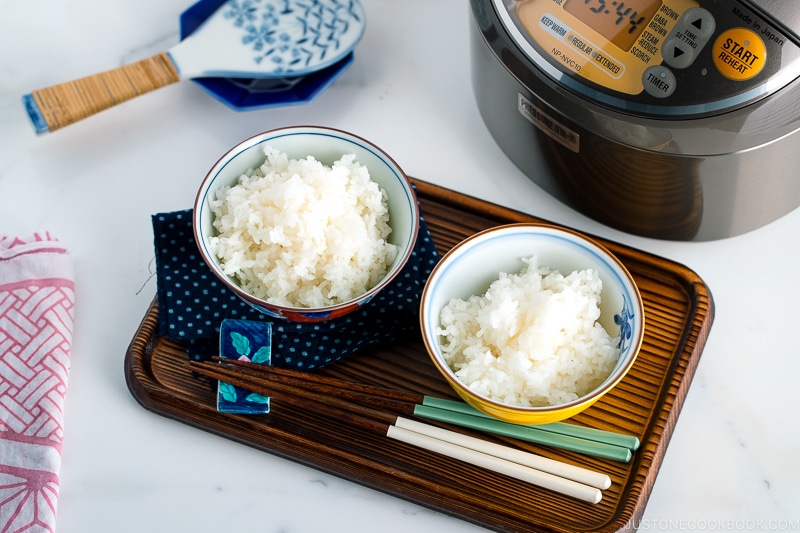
{"x": 675, "y": 54}
{"x": 699, "y": 21}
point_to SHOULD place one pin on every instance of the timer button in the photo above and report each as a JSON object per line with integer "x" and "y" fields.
{"x": 659, "y": 81}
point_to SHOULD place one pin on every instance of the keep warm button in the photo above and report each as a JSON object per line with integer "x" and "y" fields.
{"x": 739, "y": 54}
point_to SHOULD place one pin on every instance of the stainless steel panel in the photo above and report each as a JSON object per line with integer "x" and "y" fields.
{"x": 657, "y": 193}
{"x": 783, "y": 12}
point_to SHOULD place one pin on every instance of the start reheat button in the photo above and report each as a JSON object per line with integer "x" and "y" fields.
{"x": 739, "y": 54}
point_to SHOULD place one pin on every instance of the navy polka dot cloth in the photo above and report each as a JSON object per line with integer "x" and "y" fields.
{"x": 192, "y": 304}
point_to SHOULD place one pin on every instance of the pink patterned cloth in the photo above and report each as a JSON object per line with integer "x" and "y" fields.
{"x": 36, "y": 304}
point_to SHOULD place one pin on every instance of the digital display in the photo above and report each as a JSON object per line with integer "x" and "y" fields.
{"x": 619, "y": 21}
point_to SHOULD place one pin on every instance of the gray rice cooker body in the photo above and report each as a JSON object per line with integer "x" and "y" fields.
{"x": 637, "y": 136}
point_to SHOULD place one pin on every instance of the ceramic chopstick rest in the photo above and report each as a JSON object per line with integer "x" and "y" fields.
{"x": 248, "y": 340}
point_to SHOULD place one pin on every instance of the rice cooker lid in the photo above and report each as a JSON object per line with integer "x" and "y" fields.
{"x": 668, "y": 59}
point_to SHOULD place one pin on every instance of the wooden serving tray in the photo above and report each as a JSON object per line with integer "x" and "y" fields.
{"x": 679, "y": 311}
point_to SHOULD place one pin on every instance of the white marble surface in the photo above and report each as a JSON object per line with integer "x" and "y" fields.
{"x": 732, "y": 463}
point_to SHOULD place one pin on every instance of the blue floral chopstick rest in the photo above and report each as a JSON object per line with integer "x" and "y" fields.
{"x": 249, "y": 340}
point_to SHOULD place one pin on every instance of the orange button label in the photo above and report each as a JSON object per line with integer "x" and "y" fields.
{"x": 739, "y": 54}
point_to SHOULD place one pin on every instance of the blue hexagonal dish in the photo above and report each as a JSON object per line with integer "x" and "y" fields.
{"x": 244, "y": 94}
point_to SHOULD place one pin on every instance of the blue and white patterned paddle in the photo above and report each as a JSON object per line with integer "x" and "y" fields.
{"x": 242, "y": 39}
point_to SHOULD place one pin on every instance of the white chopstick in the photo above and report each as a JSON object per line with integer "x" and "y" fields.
{"x": 515, "y": 455}
{"x": 458, "y": 446}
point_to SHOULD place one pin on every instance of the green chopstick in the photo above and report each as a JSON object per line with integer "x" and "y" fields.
{"x": 561, "y": 428}
{"x": 526, "y": 433}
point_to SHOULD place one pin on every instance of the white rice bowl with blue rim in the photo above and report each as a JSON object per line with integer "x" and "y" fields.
{"x": 298, "y": 233}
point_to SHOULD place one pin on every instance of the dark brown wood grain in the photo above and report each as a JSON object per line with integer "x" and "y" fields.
{"x": 270, "y": 382}
{"x": 679, "y": 311}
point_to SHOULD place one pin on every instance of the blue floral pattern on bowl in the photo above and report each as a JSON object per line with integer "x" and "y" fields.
{"x": 247, "y": 340}
{"x": 625, "y": 320}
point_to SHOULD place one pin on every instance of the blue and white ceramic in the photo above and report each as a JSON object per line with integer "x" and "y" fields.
{"x": 473, "y": 264}
{"x": 291, "y": 85}
{"x": 270, "y": 38}
{"x": 326, "y": 145}
{"x": 249, "y": 94}
{"x": 249, "y": 54}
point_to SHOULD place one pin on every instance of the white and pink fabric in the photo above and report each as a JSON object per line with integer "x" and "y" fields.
{"x": 37, "y": 297}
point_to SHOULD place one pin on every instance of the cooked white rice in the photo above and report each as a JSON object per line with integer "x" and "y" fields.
{"x": 298, "y": 233}
{"x": 532, "y": 339}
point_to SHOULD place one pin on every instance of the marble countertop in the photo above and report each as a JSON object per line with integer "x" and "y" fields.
{"x": 732, "y": 461}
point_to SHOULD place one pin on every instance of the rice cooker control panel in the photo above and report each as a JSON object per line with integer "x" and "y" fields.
{"x": 659, "y": 56}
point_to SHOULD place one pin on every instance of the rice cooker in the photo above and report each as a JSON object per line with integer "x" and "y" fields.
{"x": 671, "y": 119}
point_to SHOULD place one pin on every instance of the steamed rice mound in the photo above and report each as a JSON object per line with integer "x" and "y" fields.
{"x": 532, "y": 339}
{"x": 298, "y": 233}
